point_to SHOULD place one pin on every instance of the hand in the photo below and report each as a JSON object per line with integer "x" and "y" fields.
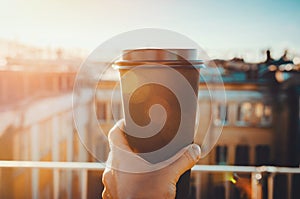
{"x": 155, "y": 182}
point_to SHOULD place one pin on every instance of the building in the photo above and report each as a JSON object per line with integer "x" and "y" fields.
{"x": 261, "y": 113}
{"x": 36, "y": 115}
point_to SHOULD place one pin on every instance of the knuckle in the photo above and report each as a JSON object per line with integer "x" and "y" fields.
{"x": 188, "y": 157}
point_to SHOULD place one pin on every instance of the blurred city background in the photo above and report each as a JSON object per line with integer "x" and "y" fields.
{"x": 255, "y": 45}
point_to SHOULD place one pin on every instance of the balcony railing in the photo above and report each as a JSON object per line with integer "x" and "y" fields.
{"x": 84, "y": 167}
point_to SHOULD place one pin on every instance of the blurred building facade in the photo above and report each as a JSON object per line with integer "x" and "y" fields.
{"x": 262, "y": 123}
{"x": 261, "y": 127}
{"x": 36, "y": 124}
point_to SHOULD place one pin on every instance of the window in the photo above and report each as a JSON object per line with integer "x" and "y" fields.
{"x": 255, "y": 113}
{"x": 65, "y": 121}
{"x": 221, "y": 155}
{"x": 17, "y": 150}
{"x": 101, "y": 111}
{"x": 262, "y": 155}
{"x": 267, "y": 115}
{"x": 45, "y": 136}
{"x": 245, "y": 111}
{"x": 21, "y": 145}
{"x": 259, "y": 107}
{"x": 242, "y": 155}
{"x": 258, "y": 113}
{"x": 221, "y": 114}
{"x": 26, "y": 145}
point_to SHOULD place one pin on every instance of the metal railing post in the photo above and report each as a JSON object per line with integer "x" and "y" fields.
{"x": 35, "y": 183}
{"x": 34, "y": 131}
{"x": 198, "y": 185}
{"x": 69, "y": 184}
{"x": 1, "y": 185}
{"x": 289, "y": 185}
{"x": 84, "y": 176}
{"x": 56, "y": 183}
{"x": 256, "y": 192}
{"x": 271, "y": 185}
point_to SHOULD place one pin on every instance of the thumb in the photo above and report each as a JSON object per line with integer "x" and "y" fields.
{"x": 186, "y": 161}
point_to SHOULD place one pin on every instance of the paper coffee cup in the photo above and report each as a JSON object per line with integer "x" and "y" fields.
{"x": 147, "y": 78}
{"x": 159, "y": 90}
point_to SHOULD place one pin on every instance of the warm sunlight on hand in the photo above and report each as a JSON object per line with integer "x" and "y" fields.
{"x": 159, "y": 183}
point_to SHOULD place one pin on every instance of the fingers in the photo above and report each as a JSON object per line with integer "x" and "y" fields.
{"x": 109, "y": 183}
{"x": 188, "y": 159}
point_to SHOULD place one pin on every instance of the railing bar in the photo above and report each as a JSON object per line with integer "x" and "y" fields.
{"x": 101, "y": 166}
{"x": 222, "y": 168}
{"x": 53, "y": 165}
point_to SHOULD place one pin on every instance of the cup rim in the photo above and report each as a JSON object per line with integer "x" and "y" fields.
{"x": 124, "y": 64}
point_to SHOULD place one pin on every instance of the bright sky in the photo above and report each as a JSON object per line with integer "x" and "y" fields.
{"x": 230, "y": 25}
